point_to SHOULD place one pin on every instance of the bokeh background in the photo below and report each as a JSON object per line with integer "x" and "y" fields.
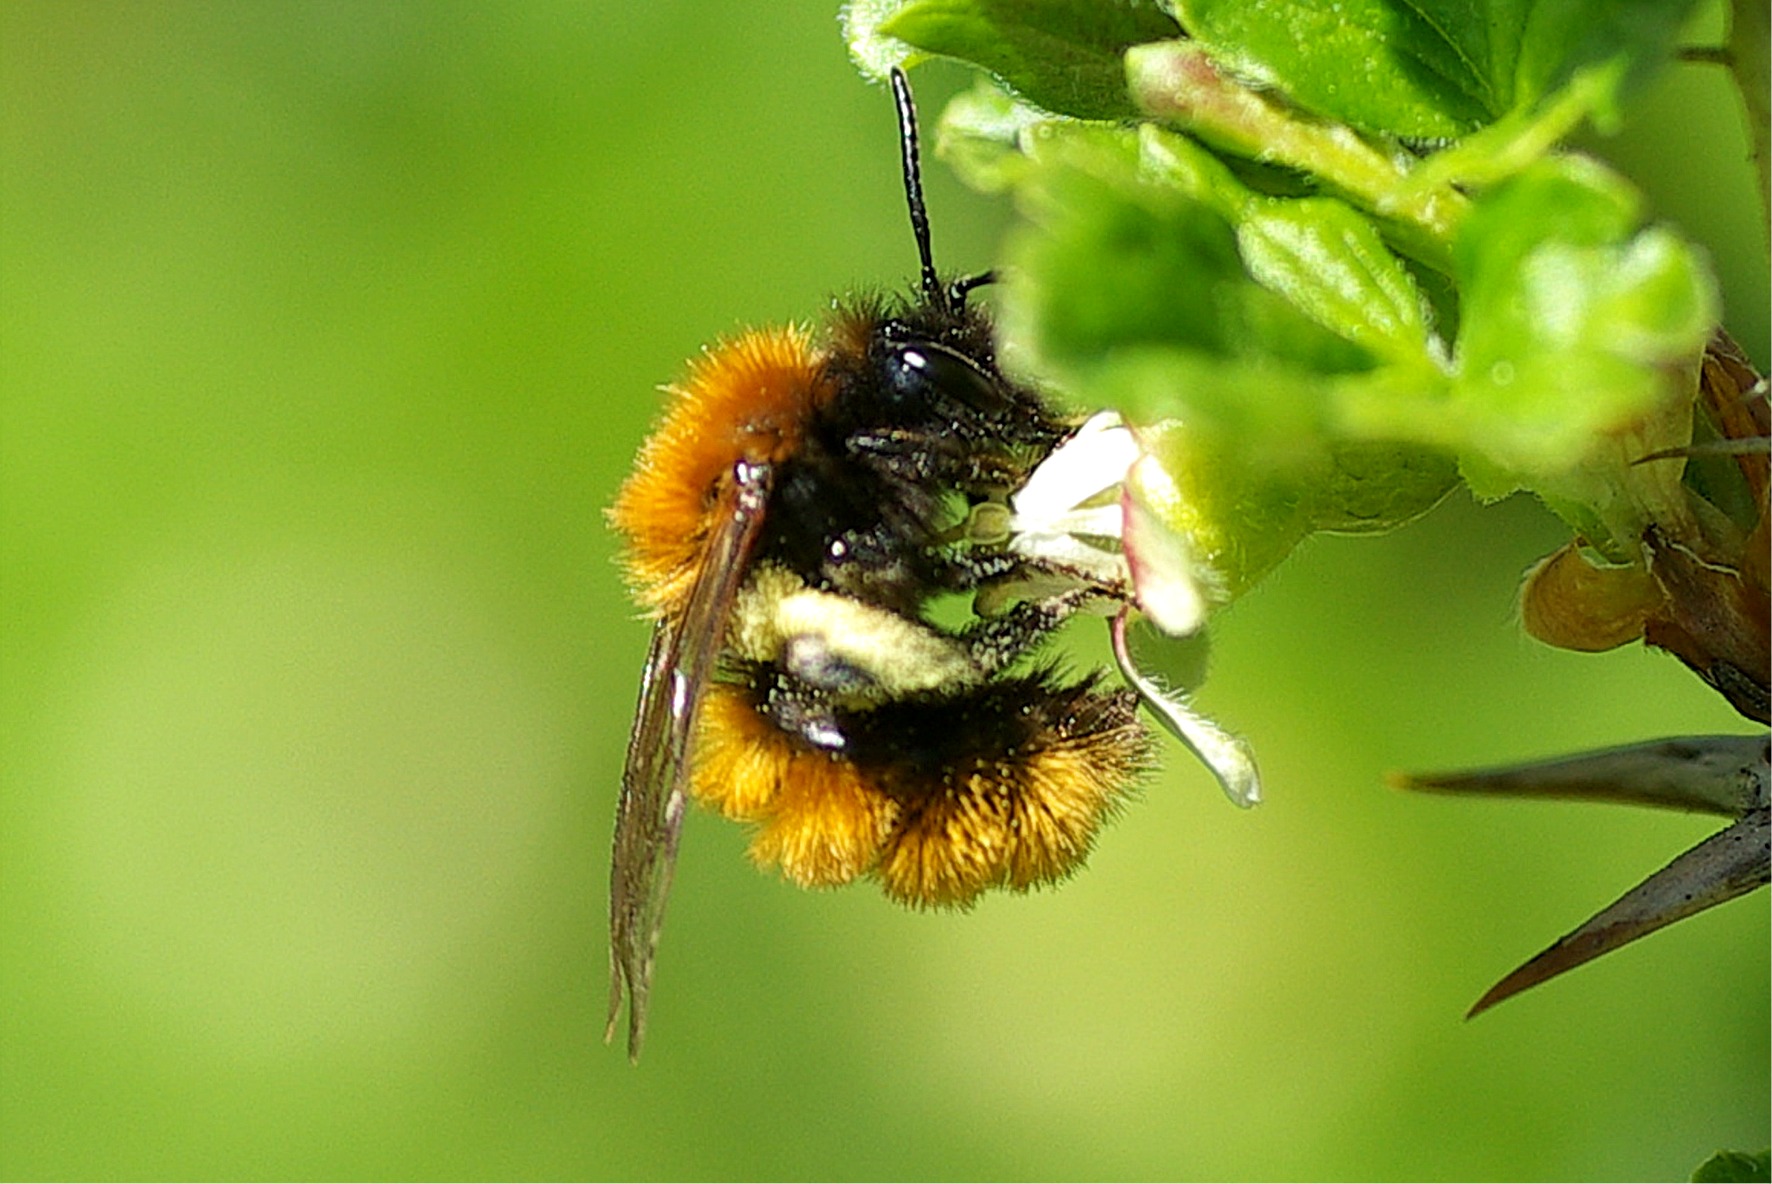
{"x": 328, "y": 331}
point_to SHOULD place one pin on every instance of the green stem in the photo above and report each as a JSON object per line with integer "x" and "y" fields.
{"x": 1748, "y": 51}
{"x": 1177, "y": 82}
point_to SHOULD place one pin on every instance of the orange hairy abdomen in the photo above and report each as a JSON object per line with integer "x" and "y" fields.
{"x": 744, "y": 400}
{"x": 823, "y": 822}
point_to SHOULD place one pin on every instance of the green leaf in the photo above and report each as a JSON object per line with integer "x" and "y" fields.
{"x": 1727, "y": 1167}
{"x": 1325, "y": 261}
{"x": 1522, "y": 136}
{"x": 1133, "y": 297}
{"x": 1373, "y": 487}
{"x": 1375, "y": 64}
{"x": 980, "y": 136}
{"x": 1428, "y": 69}
{"x": 1235, "y": 511}
{"x": 1062, "y": 55}
{"x": 872, "y": 50}
{"x": 1183, "y": 85}
{"x": 1578, "y": 344}
{"x": 1579, "y": 339}
{"x": 1135, "y": 264}
{"x": 1294, "y": 348}
{"x": 1330, "y": 263}
{"x": 1224, "y": 323}
{"x": 1318, "y": 253}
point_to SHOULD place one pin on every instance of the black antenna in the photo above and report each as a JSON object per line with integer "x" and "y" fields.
{"x": 913, "y": 190}
{"x": 961, "y": 288}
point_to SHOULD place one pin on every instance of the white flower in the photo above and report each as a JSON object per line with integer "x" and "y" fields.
{"x": 1077, "y": 514}
{"x": 1069, "y": 511}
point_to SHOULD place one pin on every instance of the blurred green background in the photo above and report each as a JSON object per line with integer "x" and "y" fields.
{"x": 328, "y": 331}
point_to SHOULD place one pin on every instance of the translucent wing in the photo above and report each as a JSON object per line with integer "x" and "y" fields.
{"x": 649, "y": 817}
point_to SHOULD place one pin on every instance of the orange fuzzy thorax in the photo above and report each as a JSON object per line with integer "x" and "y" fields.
{"x": 747, "y": 399}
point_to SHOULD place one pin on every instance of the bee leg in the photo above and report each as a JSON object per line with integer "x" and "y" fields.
{"x": 998, "y": 643}
{"x": 970, "y": 569}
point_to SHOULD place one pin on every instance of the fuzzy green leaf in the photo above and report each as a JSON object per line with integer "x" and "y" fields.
{"x": 1332, "y": 265}
{"x": 1325, "y": 258}
{"x": 1227, "y": 323}
{"x": 1578, "y": 342}
{"x": 1428, "y": 69}
{"x": 1579, "y": 338}
{"x": 1062, "y": 55}
{"x": 1135, "y": 266}
{"x": 1284, "y": 333}
{"x": 1183, "y": 85}
{"x": 980, "y": 137}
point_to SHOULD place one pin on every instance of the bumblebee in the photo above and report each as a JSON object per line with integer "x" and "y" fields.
{"x": 801, "y": 507}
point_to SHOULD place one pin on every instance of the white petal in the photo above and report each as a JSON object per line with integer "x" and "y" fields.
{"x": 1088, "y": 464}
{"x": 1164, "y": 572}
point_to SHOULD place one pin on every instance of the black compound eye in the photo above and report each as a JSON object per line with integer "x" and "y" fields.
{"x": 926, "y": 377}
